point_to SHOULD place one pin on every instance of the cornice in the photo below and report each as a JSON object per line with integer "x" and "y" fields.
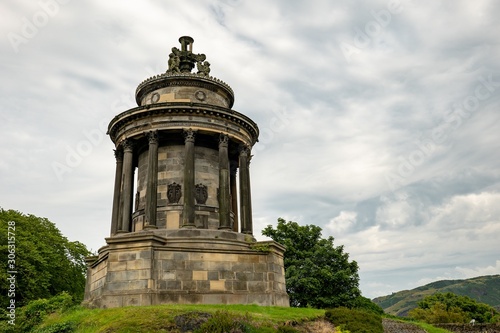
{"x": 178, "y": 108}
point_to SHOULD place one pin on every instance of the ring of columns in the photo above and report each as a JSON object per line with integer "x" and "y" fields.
{"x": 181, "y": 153}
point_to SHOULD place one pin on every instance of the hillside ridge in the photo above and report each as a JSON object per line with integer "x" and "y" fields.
{"x": 484, "y": 289}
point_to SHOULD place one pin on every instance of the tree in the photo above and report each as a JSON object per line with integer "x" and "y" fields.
{"x": 317, "y": 273}
{"x": 451, "y": 308}
{"x": 44, "y": 261}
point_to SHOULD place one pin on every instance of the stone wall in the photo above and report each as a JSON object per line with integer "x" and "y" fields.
{"x": 466, "y": 328}
{"x": 170, "y": 170}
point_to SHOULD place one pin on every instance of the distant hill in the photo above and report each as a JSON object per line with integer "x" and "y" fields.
{"x": 484, "y": 289}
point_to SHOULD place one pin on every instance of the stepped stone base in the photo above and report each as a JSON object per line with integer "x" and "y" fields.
{"x": 186, "y": 266}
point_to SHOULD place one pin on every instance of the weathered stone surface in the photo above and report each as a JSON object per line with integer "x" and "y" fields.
{"x": 213, "y": 275}
{"x": 158, "y": 274}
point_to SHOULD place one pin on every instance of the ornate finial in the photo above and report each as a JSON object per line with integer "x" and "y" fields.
{"x": 183, "y": 60}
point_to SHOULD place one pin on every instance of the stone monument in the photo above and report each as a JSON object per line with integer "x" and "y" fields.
{"x": 184, "y": 238}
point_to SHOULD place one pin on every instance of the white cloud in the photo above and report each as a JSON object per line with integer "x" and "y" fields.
{"x": 331, "y": 129}
{"x": 479, "y": 271}
{"x": 342, "y": 222}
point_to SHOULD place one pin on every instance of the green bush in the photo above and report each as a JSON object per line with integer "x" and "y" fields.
{"x": 363, "y": 303}
{"x": 64, "y": 327}
{"x": 355, "y": 321}
{"x": 34, "y": 312}
{"x": 451, "y": 308}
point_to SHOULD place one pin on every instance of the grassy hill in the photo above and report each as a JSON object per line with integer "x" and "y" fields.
{"x": 484, "y": 289}
{"x": 170, "y": 318}
{"x": 56, "y": 316}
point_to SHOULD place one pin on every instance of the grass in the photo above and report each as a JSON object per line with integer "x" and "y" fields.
{"x": 160, "y": 318}
{"x": 431, "y": 329}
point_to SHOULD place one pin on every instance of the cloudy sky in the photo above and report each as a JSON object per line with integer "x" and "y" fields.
{"x": 379, "y": 120}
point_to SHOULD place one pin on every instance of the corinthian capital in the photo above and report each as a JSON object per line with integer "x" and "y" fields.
{"x": 244, "y": 150}
{"x": 189, "y": 135}
{"x": 118, "y": 154}
{"x": 153, "y": 137}
{"x": 223, "y": 140}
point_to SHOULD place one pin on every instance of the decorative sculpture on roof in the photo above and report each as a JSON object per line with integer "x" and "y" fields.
{"x": 203, "y": 68}
{"x": 183, "y": 60}
{"x": 174, "y": 61}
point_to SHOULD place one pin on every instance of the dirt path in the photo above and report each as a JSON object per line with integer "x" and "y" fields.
{"x": 393, "y": 326}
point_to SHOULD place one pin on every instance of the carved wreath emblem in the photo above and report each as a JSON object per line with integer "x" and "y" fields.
{"x": 200, "y": 95}
{"x": 174, "y": 193}
{"x": 201, "y": 194}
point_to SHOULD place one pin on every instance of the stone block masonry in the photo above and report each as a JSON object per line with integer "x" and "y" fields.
{"x": 186, "y": 267}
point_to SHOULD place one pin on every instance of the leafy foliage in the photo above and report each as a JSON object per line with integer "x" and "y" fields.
{"x": 363, "y": 303}
{"x": 317, "y": 273}
{"x": 46, "y": 262}
{"x": 355, "y": 321}
{"x": 35, "y": 312}
{"x": 451, "y": 308}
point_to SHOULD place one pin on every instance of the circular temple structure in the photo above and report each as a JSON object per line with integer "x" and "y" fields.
{"x": 180, "y": 230}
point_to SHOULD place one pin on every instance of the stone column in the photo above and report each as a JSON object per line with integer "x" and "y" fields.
{"x": 234, "y": 197}
{"x": 188, "y": 215}
{"x": 224, "y": 190}
{"x": 115, "y": 214}
{"x": 245, "y": 197}
{"x": 152, "y": 181}
{"x": 127, "y": 186}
